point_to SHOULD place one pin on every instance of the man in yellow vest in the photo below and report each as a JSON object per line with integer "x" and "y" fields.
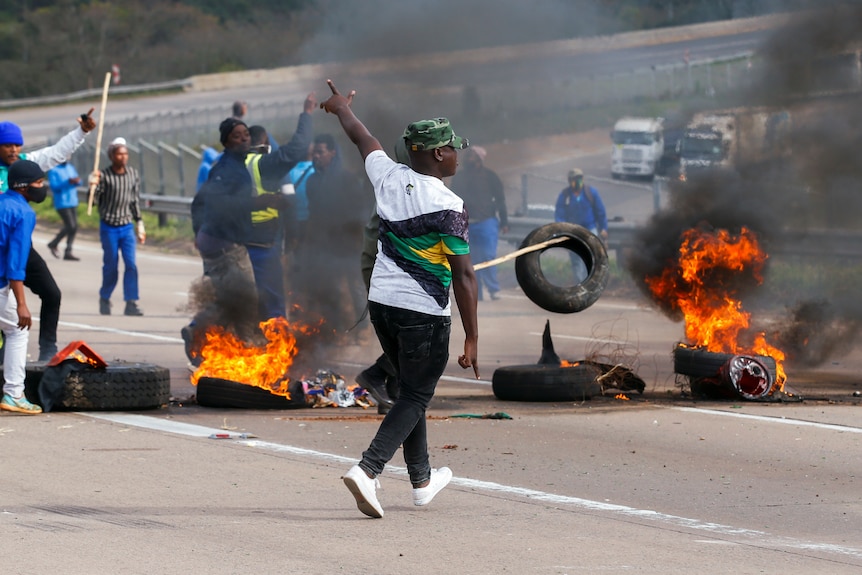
{"x": 266, "y": 241}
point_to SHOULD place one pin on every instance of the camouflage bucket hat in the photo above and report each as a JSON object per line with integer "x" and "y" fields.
{"x": 432, "y": 134}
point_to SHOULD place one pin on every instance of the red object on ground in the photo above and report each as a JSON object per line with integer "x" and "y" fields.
{"x": 78, "y": 347}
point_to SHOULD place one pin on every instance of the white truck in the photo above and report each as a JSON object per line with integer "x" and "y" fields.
{"x": 638, "y": 145}
{"x": 727, "y": 139}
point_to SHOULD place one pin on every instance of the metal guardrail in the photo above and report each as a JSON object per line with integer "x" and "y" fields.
{"x": 95, "y": 93}
{"x": 622, "y": 236}
{"x": 167, "y": 205}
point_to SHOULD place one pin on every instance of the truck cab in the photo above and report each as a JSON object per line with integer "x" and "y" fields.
{"x": 702, "y": 147}
{"x": 638, "y": 145}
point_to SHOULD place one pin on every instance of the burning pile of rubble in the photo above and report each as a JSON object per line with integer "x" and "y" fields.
{"x": 723, "y": 356}
{"x": 242, "y": 369}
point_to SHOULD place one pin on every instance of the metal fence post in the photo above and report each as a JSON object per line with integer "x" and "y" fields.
{"x": 152, "y": 173}
{"x": 657, "y": 185}
{"x": 524, "y": 194}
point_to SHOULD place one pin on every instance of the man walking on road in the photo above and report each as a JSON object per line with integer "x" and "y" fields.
{"x": 423, "y": 250}
{"x": 64, "y": 182}
{"x": 581, "y": 204}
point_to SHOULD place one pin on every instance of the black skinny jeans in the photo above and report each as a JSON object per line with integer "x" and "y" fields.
{"x": 70, "y": 228}
{"x": 418, "y": 346}
{"x": 40, "y": 281}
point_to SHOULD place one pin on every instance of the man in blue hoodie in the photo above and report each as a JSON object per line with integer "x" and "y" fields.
{"x": 26, "y": 182}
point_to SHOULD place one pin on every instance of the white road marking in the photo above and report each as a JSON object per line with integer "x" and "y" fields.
{"x": 740, "y": 535}
{"x": 89, "y": 327}
{"x": 784, "y": 420}
{"x": 585, "y": 338}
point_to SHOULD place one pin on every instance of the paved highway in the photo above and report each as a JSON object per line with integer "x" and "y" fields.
{"x": 656, "y": 484}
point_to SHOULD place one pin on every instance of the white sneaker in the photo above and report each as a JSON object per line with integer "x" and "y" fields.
{"x": 440, "y": 478}
{"x": 364, "y": 490}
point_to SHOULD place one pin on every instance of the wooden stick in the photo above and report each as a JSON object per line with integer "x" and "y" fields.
{"x": 520, "y": 252}
{"x": 99, "y": 139}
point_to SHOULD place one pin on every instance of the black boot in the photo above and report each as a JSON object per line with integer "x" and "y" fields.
{"x": 132, "y": 308}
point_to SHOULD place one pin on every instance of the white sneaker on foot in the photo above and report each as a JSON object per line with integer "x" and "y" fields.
{"x": 440, "y": 478}
{"x": 364, "y": 489}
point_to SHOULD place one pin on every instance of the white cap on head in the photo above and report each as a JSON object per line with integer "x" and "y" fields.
{"x": 118, "y": 141}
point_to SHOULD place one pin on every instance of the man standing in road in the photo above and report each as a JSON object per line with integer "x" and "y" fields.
{"x": 423, "y": 250}
{"x": 17, "y": 220}
{"x": 222, "y": 222}
{"x": 482, "y": 192}
{"x": 118, "y": 196}
{"x": 265, "y": 243}
{"x": 338, "y": 207}
{"x": 581, "y": 204}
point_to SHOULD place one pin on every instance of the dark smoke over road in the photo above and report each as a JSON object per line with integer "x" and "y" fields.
{"x": 810, "y": 68}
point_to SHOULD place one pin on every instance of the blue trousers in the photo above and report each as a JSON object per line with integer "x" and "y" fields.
{"x": 483, "y": 247}
{"x": 269, "y": 279}
{"x": 118, "y": 240}
{"x": 417, "y": 344}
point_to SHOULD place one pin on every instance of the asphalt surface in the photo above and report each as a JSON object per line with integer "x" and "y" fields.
{"x": 658, "y": 483}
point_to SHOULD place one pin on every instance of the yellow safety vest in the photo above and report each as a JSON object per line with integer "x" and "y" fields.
{"x": 266, "y": 214}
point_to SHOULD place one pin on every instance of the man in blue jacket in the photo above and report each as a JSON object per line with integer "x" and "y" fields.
{"x": 222, "y": 221}
{"x": 581, "y": 204}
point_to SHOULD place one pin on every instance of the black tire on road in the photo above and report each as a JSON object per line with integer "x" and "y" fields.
{"x": 120, "y": 386}
{"x": 546, "y": 382}
{"x": 695, "y": 362}
{"x": 217, "y": 392}
{"x": 568, "y": 299}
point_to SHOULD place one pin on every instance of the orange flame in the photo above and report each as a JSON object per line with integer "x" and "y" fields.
{"x": 227, "y": 357}
{"x": 714, "y": 318}
{"x": 622, "y": 397}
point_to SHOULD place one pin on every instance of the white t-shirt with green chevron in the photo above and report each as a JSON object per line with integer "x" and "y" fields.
{"x": 421, "y": 222}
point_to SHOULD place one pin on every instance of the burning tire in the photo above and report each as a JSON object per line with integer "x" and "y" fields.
{"x": 695, "y": 362}
{"x": 546, "y": 382}
{"x": 217, "y": 392}
{"x": 569, "y": 299}
{"x": 120, "y": 386}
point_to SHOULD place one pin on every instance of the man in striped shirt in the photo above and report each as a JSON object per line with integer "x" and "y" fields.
{"x": 118, "y": 197}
